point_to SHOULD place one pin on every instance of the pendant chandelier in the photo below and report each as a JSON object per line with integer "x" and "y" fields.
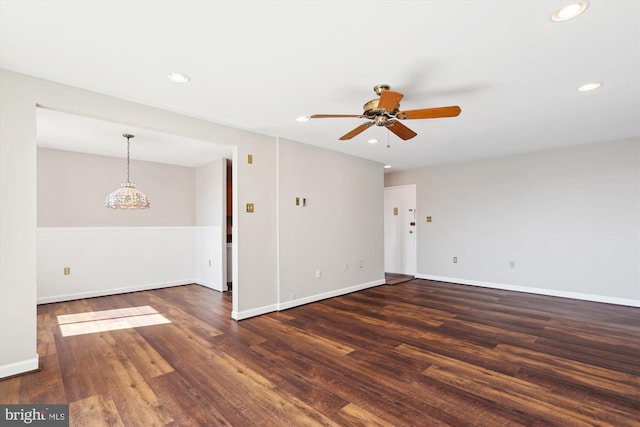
{"x": 127, "y": 197}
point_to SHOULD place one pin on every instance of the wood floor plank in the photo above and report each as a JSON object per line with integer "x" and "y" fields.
{"x": 46, "y": 388}
{"x": 576, "y": 372}
{"x": 299, "y": 380}
{"x": 47, "y": 329}
{"x": 353, "y": 415}
{"x": 10, "y": 390}
{"x": 185, "y": 400}
{"x": 519, "y": 398}
{"x": 96, "y": 411}
{"x": 417, "y": 353}
{"x": 81, "y": 363}
{"x": 134, "y": 398}
{"x": 607, "y": 406}
{"x": 506, "y": 390}
{"x": 331, "y": 379}
{"x": 144, "y": 357}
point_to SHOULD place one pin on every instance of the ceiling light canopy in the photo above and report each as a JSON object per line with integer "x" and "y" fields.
{"x": 127, "y": 196}
{"x": 178, "y": 77}
{"x": 372, "y": 141}
{"x": 302, "y": 119}
{"x": 569, "y": 11}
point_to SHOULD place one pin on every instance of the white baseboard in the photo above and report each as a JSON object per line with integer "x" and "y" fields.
{"x": 112, "y": 291}
{"x": 240, "y": 315}
{"x": 531, "y": 290}
{"x": 21, "y": 367}
{"x": 301, "y": 301}
{"x": 215, "y": 286}
{"x": 331, "y": 294}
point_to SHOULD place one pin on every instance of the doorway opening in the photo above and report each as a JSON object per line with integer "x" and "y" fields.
{"x": 400, "y": 233}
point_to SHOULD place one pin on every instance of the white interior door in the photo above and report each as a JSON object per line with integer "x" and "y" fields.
{"x": 400, "y": 230}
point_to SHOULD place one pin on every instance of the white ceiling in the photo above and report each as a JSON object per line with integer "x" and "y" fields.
{"x": 257, "y": 65}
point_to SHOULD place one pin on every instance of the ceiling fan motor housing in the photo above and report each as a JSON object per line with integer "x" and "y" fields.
{"x": 372, "y": 112}
{"x": 381, "y": 120}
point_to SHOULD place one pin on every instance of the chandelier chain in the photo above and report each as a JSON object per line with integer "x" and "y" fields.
{"x": 128, "y": 161}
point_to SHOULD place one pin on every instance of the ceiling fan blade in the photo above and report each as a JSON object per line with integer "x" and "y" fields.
{"x": 429, "y": 113}
{"x": 389, "y": 100}
{"x": 401, "y": 130}
{"x": 332, "y": 116}
{"x": 356, "y": 131}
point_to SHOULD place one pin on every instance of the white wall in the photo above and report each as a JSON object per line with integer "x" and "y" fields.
{"x": 569, "y": 219}
{"x": 17, "y": 229}
{"x": 255, "y": 183}
{"x": 72, "y": 188}
{"x": 211, "y": 180}
{"x": 340, "y": 224}
{"x": 111, "y": 260}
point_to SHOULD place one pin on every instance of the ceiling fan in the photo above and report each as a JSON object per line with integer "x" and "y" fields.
{"x": 385, "y": 111}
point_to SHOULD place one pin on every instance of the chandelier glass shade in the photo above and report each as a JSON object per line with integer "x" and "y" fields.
{"x": 127, "y": 196}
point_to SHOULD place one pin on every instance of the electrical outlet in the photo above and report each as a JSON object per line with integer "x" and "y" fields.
{"x": 318, "y": 274}
{"x": 67, "y": 270}
{"x": 512, "y": 264}
{"x": 249, "y": 207}
{"x": 209, "y": 263}
{"x": 345, "y": 266}
{"x": 455, "y": 259}
{"x": 361, "y": 264}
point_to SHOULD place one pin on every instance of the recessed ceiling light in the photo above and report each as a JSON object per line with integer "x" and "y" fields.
{"x": 569, "y": 11}
{"x": 387, "y": 166}
{"x": 302, "y": 119}
{"x": 589, "y": 86}
{"x": 178, "y": 77}
{"x": 372, "y": 141}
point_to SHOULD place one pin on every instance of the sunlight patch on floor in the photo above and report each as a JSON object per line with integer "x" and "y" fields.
{"x": 109, "y": 320}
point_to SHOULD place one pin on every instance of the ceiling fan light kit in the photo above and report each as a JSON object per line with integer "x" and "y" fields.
{"x": 385, "y": 111}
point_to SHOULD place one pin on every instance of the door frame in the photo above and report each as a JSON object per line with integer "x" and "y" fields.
{"x": 413, "y": 202}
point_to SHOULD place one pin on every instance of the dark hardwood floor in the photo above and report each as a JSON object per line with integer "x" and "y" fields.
{"x": 419, "y": 353}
